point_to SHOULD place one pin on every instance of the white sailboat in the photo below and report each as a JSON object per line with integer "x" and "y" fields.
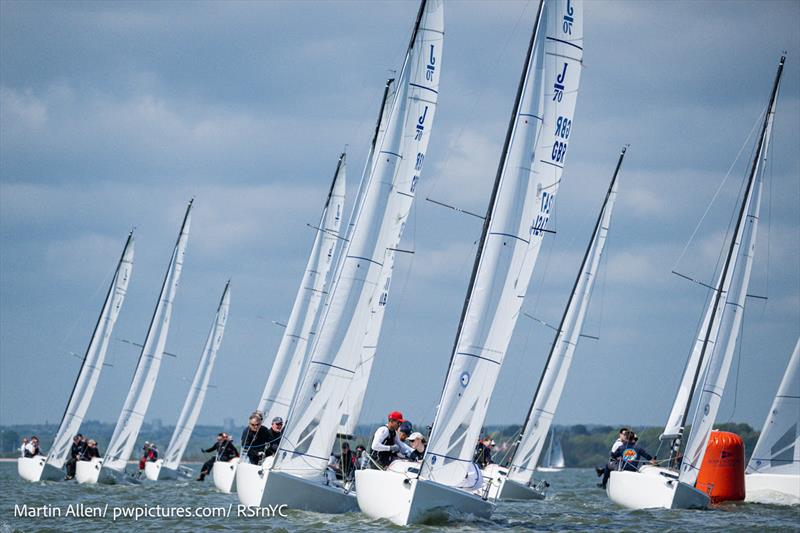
{"x": 519, "y": 209}
{"x": 299, "y": 476}
{"x": 707, "y": 369}
{"x": 517, "y": 482}
{"x": 50, "y": 466}
{"x": 111, "y": 468}
{"x": 168, "y": 467}
{"x": 554, "y": 458}
{"x": 292, "y": 353}
{"x": 773, "y": 473}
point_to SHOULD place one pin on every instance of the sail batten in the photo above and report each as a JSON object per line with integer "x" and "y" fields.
{"x": 89, "y": 374}
{"x": 519, "y": 209}
{"x": 197, "y": 391}
{"x": 137, "y": 401}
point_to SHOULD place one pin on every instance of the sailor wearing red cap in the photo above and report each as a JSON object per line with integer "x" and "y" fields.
{"x": 386, "y": 443}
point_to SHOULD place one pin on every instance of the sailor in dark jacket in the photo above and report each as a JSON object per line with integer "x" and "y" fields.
{"x": 627, "y": 456}
{"x": 75, "y": 451}
{"x": 225, "y": 452}
{"x": 91, "y": 451}
{"x": 259, "y": 442}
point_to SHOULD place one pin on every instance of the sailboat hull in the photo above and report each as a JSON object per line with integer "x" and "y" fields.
{"x": 88, "y": 471}
{"x": 653, "y": 487}
{"x": 777, "y": 489}
{"x": 405, "y": 499}
{"x": 498, "y": 487}
{"x": 250, "y": 482}
{"x": 223, "y": 474}
{"x": 152, "y": 469}
{"x": 306, "y": 495}
{"x": 548, "y": 469}
{"x": 35, "y": 469}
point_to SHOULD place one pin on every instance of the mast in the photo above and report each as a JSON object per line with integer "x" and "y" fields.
{"x": 97, "y": 324}
{"x": 676, "y": 443}
{"x": 495, "y": 188}
{"x": 560, "y": 330}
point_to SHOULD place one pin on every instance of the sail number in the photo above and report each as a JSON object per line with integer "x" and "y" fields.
{"x": 568, "y": 18}
{"x": 559, "y": 151}
{"x": 544, "y": 214}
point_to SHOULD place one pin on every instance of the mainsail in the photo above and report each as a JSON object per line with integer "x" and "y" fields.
{"x": 86, "y": 381}
{"x": 554, "y": 376}
{"x": 778, "y": 448}
{"x": 719, "y": 340}
{"x": 197, "y": 392}
{"x": 378, "y": 226}
{"x": 522, "y": 198}
{"x": 144, "y": 380}
{"x": 292, "y": 352}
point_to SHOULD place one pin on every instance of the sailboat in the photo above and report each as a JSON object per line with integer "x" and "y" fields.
{"x": 111, "y": 468}
{"x": 554, "y": 457}
{"x": 522, "y": 197}
{"x": 708, "y": 365}
{"x": 169, "y": 467}
{"x": 299, "y": 475}
{"x": 50, "y": 466}
{"x": 517, "y": 482}
{"x": 773, "y": 473}
{"x": 292, "y": 351}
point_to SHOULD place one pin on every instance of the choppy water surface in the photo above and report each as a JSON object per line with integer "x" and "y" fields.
{"x": 573, "y": 504}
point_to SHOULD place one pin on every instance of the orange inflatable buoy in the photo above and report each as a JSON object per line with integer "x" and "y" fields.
{"x": 721, "y": 475}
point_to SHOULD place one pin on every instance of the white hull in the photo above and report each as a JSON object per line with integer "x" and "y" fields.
{"x": 774, "y": 489}
{"x": 152, "y": 469}
{"x": 223, "y": 475}
{"x": 88, "y": 471}
{"x": 36, "y": 469}
{"x": 405, "y": 499}
{"x": 501, "y": 488}
{"x": 299, "y": 493}
{"x": 250, "y": 482}
{"x": 653, "y": 487}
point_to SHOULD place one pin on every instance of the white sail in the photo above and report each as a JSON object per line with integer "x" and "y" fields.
{"x": 525, "y": 189}
{"x": 351, "y": 405}
{"x": 292, "y": 352}
{"x": 197, "y": 392}
{"x": 778, "y": 448}
{"x": 130, "y": 419}
{"x": 86, "y": 383}
{"x": 556, "y": 454}
{"x": 726, "y": 319}
{"x": 554, "y": 377}
{"x": 379, "y": 223}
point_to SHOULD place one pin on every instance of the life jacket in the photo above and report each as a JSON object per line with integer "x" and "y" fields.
{"x": 385, "y": 458}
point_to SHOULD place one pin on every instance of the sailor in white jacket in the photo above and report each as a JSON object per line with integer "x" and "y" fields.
{"x": 386, "y": 443}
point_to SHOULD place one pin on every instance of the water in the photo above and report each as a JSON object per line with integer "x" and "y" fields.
{"x": 574, "y": 503}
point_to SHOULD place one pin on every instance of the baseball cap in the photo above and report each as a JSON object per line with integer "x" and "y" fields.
{"x": 277, "y": 420}
{"x": 416, "y": 435}
{"x": 396, "y": 415}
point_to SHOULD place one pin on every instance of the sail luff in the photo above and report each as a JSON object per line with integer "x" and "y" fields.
{"x": 144, "y": 379}
{"x": 293, "y": 349}
{"x": 92, "y": 364}
{"x": 778, "y": 448}
{"x": 553, "y": 377}
{"x": 197, "y": 391}
{"x": 727, "y": 314}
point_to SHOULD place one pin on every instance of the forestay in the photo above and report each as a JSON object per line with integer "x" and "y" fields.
{"x": 728, "y": 303}
{"x": 778, "y": 448}
{"x": 89, "y": 374}
{"x": 351, "y": 405}
{"x": 144, "y": 380}
{"x": 292, "y": 352}
{"x": 554, "y": 377}
{"x": 524, "y": 191}
{"x": 197, "y": 392}
{"x": 378, "y": 226}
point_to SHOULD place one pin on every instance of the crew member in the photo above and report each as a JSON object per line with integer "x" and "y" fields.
{"x": 386, "y": 442}
{"x": 255, "y": 438}
{"x": 75, "y": 451}
{"x": 225, "y": 452}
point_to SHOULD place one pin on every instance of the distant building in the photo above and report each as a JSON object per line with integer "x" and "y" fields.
{"x": 228, "y": 425}
{"x": 156, "y": 425}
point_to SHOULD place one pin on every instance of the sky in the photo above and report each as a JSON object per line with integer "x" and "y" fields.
{"x": 114, "y": 114}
